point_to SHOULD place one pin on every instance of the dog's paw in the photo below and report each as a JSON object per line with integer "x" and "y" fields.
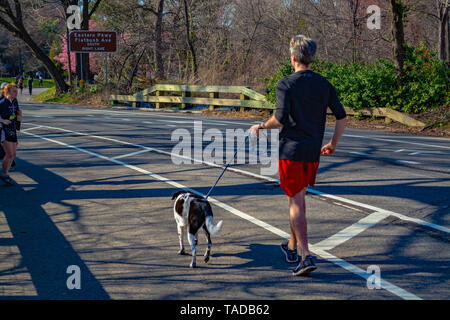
{"x": 181, "y": 252}
{"x": 193, "y": 265}
{"x": 206, "y": 259}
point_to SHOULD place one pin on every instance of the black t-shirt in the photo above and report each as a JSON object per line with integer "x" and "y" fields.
{"x": 302, "y": 101}
{"x": 8, "y": 109}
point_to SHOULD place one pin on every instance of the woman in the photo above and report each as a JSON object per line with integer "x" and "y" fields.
{"x": 21, "y": 85}
{"x": 9, "y": 110}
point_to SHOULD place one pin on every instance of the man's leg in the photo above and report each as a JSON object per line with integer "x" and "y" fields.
{"x": 293, "y": 239}
{"x": 297, "y": 215}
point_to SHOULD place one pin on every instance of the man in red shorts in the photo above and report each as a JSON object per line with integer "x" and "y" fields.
{"x": 302, "y": 101}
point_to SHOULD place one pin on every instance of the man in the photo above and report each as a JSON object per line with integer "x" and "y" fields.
{"x": 302, "y": 101}
{"x": 30, "y": 85}
{"x": 9, "y": 110}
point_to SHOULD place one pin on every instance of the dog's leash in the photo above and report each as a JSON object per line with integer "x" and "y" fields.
{"x": 225, "y": 169}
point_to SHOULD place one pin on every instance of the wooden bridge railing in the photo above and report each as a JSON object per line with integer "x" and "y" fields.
{"x": 161, "y": 94}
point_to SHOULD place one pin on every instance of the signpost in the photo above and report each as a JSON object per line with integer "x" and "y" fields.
{"x": 88, "y": 41}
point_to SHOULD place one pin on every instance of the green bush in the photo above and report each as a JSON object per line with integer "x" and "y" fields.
{"x": 424, "y": 86}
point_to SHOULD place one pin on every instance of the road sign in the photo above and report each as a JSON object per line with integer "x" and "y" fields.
{"x": 84, "y": 41}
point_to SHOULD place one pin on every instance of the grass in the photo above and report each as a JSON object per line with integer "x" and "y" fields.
{"x": 91, "y": 95}
{"x": 50, "y": 96}
{"x": 45, "y": 83}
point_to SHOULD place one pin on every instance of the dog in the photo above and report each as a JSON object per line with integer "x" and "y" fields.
{"x": 194, "y": 212}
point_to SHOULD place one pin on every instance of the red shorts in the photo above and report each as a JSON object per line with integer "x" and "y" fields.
{"x": 296, "y": 176}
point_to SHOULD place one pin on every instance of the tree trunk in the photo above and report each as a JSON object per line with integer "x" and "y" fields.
{"x": 133, "y": 73}
{"x": 443, "y": 26}
{"x": 399, "y": 51}
{"x": 66, "y": 4}
{"x": 354, "y": 6}
{"x": 69, "y": 59}
{"x": 158, "y": 44}
{"x": 192, "y": 59}
{"x": 448, "y": 39}
{"x": 85, "y": 26}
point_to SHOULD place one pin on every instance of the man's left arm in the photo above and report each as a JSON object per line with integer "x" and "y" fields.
{"x": 282, "y": 111}
{"x": 272, "y": 123}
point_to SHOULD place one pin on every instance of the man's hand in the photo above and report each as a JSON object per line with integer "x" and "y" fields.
{"x": 255, "y": 129}
{"x": 328, "y": 149}
{"x": 6, "y": 122}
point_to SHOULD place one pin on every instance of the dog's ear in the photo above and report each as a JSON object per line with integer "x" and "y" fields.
{"x": 176, "y": 194}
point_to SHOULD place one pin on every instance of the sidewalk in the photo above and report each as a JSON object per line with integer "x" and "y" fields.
{"x": 25, "y": 96}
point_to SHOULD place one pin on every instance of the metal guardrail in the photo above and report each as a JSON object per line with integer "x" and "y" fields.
{"x": 161, "y": 94}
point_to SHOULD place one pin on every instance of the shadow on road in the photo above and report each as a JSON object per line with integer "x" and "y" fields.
{"x": 46, "y": 253}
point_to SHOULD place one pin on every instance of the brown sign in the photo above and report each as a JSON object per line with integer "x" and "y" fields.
{"x": 93, "y": 41}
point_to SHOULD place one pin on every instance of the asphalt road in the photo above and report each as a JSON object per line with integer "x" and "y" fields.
{"x": 94, "y": 191}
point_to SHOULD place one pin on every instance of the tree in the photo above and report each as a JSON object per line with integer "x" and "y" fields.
{"x": 157, "y": 49}
{"x": 442, "y": 6}
{"x": 191, "y": 58}
{"x": 13, "y": 21}
{"x": 398, "y": 11}
{"x": 86, "y": 17}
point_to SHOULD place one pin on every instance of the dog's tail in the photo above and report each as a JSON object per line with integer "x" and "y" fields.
{"x": 212, "y": 228}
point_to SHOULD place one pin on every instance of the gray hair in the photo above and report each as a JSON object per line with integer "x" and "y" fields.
{"x": 304, "y": 49}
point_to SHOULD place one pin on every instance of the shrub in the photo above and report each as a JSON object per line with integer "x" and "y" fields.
{"x": 424, "y": 86}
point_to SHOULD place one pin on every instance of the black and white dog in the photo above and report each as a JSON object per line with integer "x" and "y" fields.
{"x": 193, "y": 211}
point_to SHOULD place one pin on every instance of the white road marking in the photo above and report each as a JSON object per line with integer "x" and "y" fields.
{"x": 261, "y": 177}
{"x": 401, "y": 150}
{"x": 427, "y": 152}
{"x": 363, "y": 274}
{"x": 130, "y": 154}
{"x": 408, "y": 162}
{"x": 318, "y": 251}
{"x": 398, "y": 141}
{"x": 376, "y": 209}
{"x": 176, "y": 121}
{"x": 213, "y": 123}
{"x": 360, "y": 153}
{"x": 33, "y": 128}
{"x": 351, "y": 231}
{"x": 229, "y": 122}
{"x": 348, "y": 207}
{"x": 226, "y": 122}
{"x": 147, "y": 122}
{"x": 208, "y": 122}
